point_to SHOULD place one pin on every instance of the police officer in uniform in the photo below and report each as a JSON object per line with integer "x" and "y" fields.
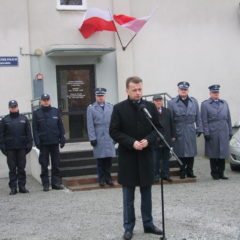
{"x": 98, "y": 120}
{"x": 217, "y": 129}
{"x": 15, "y": 143}
{"x": 48, "y": 133}
{"x": 188, "y": 124}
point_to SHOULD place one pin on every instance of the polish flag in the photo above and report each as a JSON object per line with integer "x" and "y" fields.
{"x": 96, "y": 20}
{"x": 132, "y": 23}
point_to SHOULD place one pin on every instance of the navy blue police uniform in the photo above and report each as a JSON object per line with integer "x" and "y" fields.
{"x": 15, "y": 143}
{"x": 48, "y": 133}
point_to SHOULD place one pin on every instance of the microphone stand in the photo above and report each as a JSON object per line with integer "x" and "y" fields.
{"x": 148, "y": 116}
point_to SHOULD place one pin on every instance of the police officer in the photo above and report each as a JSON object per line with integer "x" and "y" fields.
{"x": 161, "y": 152}
{"x": 15, "y": 143}
{"x": 187, "y": 119}
{"x": 217, "y": 129}
{"x": 48, "y": 133}
{"x": 98, "y": 120}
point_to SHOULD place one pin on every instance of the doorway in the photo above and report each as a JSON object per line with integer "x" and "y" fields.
{"x": 75, "y": 84}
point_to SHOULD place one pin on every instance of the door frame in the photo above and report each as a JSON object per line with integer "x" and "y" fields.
{"x": 91, "y": 68}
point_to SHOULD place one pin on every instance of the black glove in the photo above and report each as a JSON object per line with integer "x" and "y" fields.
{"x": 93, "y": 143}
{"x": 199, "y": 134}
{"x": 38, "y": 146}
{"x": 62, "y": 145}
{"x": 207, "y": 137}
{"x": 4, "y": 152}
{"x": 230, "y": 136}
{"x": 28, "y": 150}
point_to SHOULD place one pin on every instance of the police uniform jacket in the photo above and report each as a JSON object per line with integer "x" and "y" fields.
{"x": 47, "y": 126}
{"x": 15, "y": 132}
{"x": 217, "y": 124}
{"x": 188, "y": 122}
{"x": 98, "y": 120}
{"x": 129, "y": 124}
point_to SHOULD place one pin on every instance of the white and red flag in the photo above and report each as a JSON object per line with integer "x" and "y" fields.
{"x": 96, "y": 20}
{"x": 132, "y": 23}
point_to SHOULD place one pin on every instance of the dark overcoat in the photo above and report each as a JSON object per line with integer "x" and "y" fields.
{"x": 188, "y": 122}
{"x": 217, "y": 124}
{"x": 128, "y": 124}
{"x": 166, "y": 121}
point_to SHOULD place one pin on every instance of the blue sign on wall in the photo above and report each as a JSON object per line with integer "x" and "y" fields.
{"x": 8, "y": 61}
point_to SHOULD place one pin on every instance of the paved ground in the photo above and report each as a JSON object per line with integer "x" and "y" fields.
{"x": 206, "y": 210}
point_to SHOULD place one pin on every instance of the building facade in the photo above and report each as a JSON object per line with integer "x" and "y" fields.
{"x": 185, "y": 40}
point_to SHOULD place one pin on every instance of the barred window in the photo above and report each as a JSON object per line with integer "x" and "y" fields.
{"x": 71, "y": 4}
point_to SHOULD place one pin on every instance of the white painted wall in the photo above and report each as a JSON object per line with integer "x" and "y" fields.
{"x": 187, "y": 40}
{"x": 15, "y": 82}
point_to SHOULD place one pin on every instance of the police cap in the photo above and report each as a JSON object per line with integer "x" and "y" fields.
{"x": 45, "y": 96}
{"x": 158, "y": 96}
{"x": 12, "y": 103}
{"x": 100, "y": 91}
{"x": 183, "y": 85}
{"x": 214, "y": 88}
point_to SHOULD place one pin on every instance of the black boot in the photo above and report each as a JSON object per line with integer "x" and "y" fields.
{"x": 22, "y": 189}
{"x": 13, "y": 191}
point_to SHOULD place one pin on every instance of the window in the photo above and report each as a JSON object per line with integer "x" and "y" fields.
{"x": 71, "y": 4}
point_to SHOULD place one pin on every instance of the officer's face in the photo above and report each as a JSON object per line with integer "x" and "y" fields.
{"x": 134, "y": 91}
{"x": 183, "y": 92}
{"x": 158, "y": 103}
{"x": 14, "y": 109}
{"x": 214, "y": 95}
{"x": 45, "y": 102}
{"x": 100, "y": 98}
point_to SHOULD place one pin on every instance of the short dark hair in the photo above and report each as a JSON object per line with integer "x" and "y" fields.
{"x": 133, "y": 79}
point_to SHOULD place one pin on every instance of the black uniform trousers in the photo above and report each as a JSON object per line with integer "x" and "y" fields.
{"x": 217, "y": 166}
{"x": 187, "y": 167}
{"x": 104, "y": 168}
{"x": 16, "y": 160}
{"x": 53, "y": 151}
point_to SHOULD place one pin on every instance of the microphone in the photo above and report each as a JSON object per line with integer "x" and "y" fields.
{"x": 144, "y": 109}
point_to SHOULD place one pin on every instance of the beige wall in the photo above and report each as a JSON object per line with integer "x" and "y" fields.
{"x": 186, "y": 40}
{"x": 15, "y": 82}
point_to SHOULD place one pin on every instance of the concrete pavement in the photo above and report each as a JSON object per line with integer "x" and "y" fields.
{"x": 205, "y": 210}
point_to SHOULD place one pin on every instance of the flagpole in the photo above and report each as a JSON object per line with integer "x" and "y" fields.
{"x": 123, "y": 48}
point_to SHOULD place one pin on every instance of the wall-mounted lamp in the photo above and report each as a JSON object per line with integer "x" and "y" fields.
{"x": 37, "y": 52}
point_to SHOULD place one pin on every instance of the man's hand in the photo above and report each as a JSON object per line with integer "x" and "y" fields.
{"x": 137, "y": 145}
{"x": 207, "y": 137}
{"x": 173, "y": 139}
{"x": 93, "y": 143}
{"x": 144, "y": 143}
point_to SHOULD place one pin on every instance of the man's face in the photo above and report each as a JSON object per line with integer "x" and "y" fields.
{"x": 14, "y": 109}
{"x": 158, "y": 103}
{"x": 214, "y": 95}
{"x": 100, "y": 98}
{"x": 45, "y": 102}
{"x": 134, "y": 91}
{"x": 183, "y": 92}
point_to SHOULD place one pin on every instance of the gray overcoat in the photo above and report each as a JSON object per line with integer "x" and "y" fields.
{"x": 98, "y": 121}
{"x": 188, "y": 122}
{"x": 217, "y": 124}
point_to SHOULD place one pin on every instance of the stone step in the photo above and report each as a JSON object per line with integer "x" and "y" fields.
{"x": 95, "y": 186}
{"x": 77, "y": 162}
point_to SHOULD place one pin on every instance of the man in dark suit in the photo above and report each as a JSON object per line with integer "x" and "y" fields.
{"x": 161, "y": 152}
{"x": 135, "y": 135}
